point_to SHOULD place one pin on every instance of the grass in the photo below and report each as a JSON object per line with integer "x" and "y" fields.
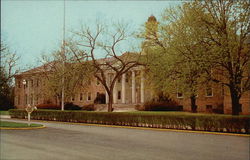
{"x": 17, "y": 125}
{"x": 4, "y": 112}
{"x": 182, "y": 113}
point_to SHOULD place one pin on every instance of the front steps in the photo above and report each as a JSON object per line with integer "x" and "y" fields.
{"x": 117, "y": 107}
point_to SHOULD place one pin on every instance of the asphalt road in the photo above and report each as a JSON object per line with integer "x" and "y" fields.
{"x": 73, "y": 142}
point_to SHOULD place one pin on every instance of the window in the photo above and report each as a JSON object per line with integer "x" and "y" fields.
{"x": 19, "y": 84}
{"x": 209, "y": 108}
{"x": 222, "y": 90}
{"x": 26, "y": 99}
{"x": 31, "y": 81}
{"x": 209, "y": 91}
{"x": 127, "y": 78}
{"x": 31, "y": 99}
{"x": 240, "y": 107}
{"x": 97, "y": 82}
{"x": 110, "y": 77}
{"x": 179, "y": 95}
{"x": 37, "y": 99}
{"x": 17, "y": 99}
{"x": 119, "y": 95}
{"x": 119, "y": 79}
{"x": 89, "y": 82}
{"x": 24, "y": 85}
{"x": 37, "y": 82}
{"x": 73, "y": 98}
{"x": 81, "y": 96}
{"x": 89, "y": 96}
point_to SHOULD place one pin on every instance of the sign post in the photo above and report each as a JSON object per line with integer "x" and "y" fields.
{"x": 29, "y": 109}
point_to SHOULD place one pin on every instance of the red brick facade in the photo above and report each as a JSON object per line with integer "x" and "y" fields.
{"x": 32, "y": 93}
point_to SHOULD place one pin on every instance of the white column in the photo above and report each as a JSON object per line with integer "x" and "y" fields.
{"x": 124, "y": 88}
{"x": 133, "y": 87}
{"x": 142, "y": 86}
{"x": 115, "y": 94}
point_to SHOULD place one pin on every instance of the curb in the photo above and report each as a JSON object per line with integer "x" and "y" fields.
{"x": 31, "y": 128}
{"x": 172, "y": 130}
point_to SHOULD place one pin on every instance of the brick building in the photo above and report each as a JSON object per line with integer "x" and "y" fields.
{"x": 131, "y": 89}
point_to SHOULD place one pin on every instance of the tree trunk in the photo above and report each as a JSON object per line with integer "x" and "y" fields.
{"x": 193, "y": 103}
{"x": 110, "y": 103}
{"x": 235, "y": 100}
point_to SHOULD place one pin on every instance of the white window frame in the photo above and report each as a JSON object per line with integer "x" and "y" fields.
{"x": 179, "y": 96}
{"x": 206, "y": 95}
{"x": 88, "y": 96}
{"x": 81, "y": 97}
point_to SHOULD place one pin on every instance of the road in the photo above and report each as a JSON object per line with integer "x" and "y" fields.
{"x": 72, "y": 142}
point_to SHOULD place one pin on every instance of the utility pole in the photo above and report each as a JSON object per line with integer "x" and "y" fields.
{"x": 63, "y": 55}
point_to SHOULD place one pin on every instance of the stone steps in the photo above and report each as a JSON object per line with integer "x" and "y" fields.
{"x": 117, "y": 107}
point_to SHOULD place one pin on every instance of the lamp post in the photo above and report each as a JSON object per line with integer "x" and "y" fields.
{"x": 24, "y": 84}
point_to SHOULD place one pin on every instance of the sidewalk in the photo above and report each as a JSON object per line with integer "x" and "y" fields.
{"x": 4, "y": 116}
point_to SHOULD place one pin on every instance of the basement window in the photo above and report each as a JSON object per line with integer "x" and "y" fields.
{"x": 209, "y": 108}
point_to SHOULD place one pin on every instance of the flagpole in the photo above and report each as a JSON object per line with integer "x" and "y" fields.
{"x": 63, "y": 56}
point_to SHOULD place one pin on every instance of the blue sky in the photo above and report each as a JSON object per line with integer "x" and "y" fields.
{"x": 34, "y": 27}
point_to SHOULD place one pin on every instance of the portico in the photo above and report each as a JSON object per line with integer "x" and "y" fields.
{"x": 130, "y": 89}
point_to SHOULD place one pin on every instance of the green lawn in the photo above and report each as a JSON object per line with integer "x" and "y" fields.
{"x": 17, "y": 125}
{"x": 180, "y": 113}
{"x": 4, "y": 112}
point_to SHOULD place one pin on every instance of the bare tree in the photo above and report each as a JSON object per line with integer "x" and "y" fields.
{"x": 54, "y": 71}
{"x": 101, "y": 45}
{"x": 8, "y": 69}
{"x": 8, "y": 63}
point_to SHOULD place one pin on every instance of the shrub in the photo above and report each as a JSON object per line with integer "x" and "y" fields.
{"x": 89, "y": 107}
{"x": 48, "y": 106}
{"x": 161, "y": 103}
{"x": 71, "y": 106}
{"x": 234, "y": 124}
{"x": 161, "y": 106}
{"x": 139, "y": 107}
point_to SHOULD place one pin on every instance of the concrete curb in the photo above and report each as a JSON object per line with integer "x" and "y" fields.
{"x": 31, "y": 128}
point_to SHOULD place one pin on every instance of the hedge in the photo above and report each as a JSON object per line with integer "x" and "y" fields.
{"x": 205, "y": 122}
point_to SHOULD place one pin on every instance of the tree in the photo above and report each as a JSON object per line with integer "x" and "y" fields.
{"x": 68, "y": 75}
{"x": 101, "y": 41}
{"x": 226, "y": 31}
{"x": 169, "y": 50}
{"x": 7, "y": 72}
{"x": 212, "y": 37}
